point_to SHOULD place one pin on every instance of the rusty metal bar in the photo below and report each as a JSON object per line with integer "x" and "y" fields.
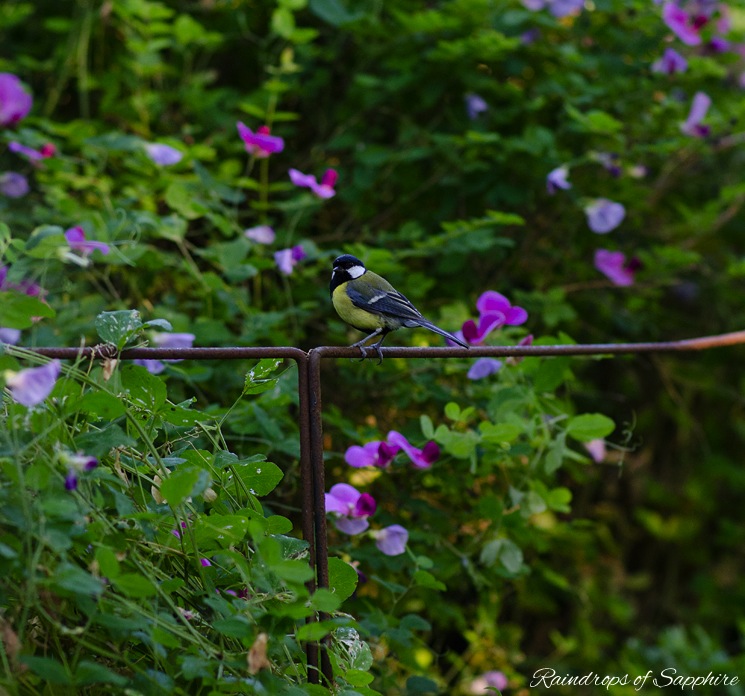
{"x": 312, "y": 470}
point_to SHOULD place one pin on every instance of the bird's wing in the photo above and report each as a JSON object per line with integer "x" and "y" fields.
{"x": 385, "y": 302}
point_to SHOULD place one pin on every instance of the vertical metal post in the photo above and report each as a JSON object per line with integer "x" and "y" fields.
{"x": 319, "y": 488}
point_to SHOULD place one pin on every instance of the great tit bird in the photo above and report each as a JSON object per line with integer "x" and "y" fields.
{"x": 370, "y": 303}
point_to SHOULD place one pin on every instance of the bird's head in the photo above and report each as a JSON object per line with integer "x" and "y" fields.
{"x": 347, "y": 267}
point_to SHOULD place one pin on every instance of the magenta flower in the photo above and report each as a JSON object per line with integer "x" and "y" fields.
{"x": 495, "y": 311}
{"x": 27, "y": 287}
{"x": 670, "y": 63}
{"x": 287, "y": 259}
{"x": 261, "y": 234}
{"x": 31, "y": 386}
{"x": 260, "y": 144}
{"x": 685, "y": 27}
{"x": 15, "y": 101}
{"x": 351, "y": 508}
{"x": 206, "y": 563}
{"x": 420, "y": 458}
{"x": 75, "y": 237}
{"x": 379, "y": 454}
{"x": 323, "y": 190}
{"x": 391, "y": 540}
{"x": 163, "y": 155}
{"x": 13, "y": 185}
{"x": 47, "y": 150}
{"x": 557, "y": 179}
{"x": 604, "y": 215}
{"x": 484, "y": 367}
{"x": 692, "y": 125}
{"x": 475, "y": 105}
{"x": 166, "y": 340}
{"x": 615, "y": 267}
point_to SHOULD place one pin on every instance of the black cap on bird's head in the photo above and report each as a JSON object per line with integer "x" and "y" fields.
{"x": 347, "y": 261}
{"x": 346, "y": 268}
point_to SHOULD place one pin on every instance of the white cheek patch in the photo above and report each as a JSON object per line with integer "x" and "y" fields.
{"x": 356, "y": 271}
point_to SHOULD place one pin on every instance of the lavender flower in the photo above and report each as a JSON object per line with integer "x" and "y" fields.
{"x": 670, "y": 63}
{"x": 15, "y": 101}
{"x": 287, "y": 259}
{"x": 351, "y": 508}
{"x": 260, "y": 144}
{"x": 163, "y": 155}
{"x": 261, "y": 234}
{"x": 604, "y": 215}
{"x": 391, "y": 540}
{"x": 31, "y": 386}
{"x": 323, "y": 190}
{"x": 13, "y": 185}
{"x": 557, "y": 179}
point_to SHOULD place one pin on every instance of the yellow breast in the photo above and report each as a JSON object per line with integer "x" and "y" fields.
{"x": 354, "y": 316}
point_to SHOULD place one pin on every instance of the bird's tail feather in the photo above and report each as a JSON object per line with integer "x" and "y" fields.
{"x": 432, "y": 327}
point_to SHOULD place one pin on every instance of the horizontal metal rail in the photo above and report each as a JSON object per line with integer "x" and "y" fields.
{"x": 312, "y": 472}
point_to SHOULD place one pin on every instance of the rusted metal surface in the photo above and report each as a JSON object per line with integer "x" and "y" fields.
{"x": 312, "y": 470}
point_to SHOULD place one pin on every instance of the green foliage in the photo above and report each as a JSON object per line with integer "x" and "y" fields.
{"x": 524, "y": 550}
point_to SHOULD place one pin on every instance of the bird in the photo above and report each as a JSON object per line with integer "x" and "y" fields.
{"x": 369, "y": 303}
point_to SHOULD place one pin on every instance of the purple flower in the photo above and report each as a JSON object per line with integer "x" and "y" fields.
{"x": 31, "y": 386}
{"x": 670, "y": 63}
{"x": 15, "y": 101}
{"x": 260, "y": 144}
{"x": 166, "y": 340}
{"x": 557, "y": 179}
{"x": 614, "y": 266}
{"x": 379, "y": 454}
{"x": 13, "y": 185}
{"x": 495, "y": 310}
{"x": 391, "y": 540}
{"x": 47, "y": 150}
{"x": 692, "y": 125}
{"x": 681, "y": 24}
{"x": 163, "y": 155}
{"x": 475, "y": 105}
{"x": 323, "y": 190}
{"x": 351, "y": 508}
{"x": 482, "y": 684}
{"x": 261, "y": 234}
{"x": 27, "y": 287}
{"x": 604, "y": 215}
{"x": 609, "y": 160}
{"x": 76, "y": 464}
{"x": 596, "y": 450}
{"x": 75, "y": 237}
{"x": 484, "y": 367}
{"x": 10, "y": 336}
{"x": 420, "y": 458}
{"x": 287, "y": 259}
{"x": 205, "y": 562}
{"x": 558, "y": 8}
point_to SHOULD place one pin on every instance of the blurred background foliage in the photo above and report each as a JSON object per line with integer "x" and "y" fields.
{"x": 530, "y": 559}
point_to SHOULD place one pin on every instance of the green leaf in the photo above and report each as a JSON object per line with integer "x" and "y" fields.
{"x": 257, "y": 378}
{"x": 118, "y": 327}
{"x": 220, "y": 530}
{"x": 428, "y": 429}
{"x": 145, "y": 390}
{"x": 590, "y": 426}
{"x": 89, "y": 672}
{"x": 73, "y": 579}
{"x": 99, "y": 443}
{"x": 235, "y": 627}
{"x": 46, "y": 242}
{"x": 325, "y": 600}
{"x": 500, "y": 432}
{"x": 184, "y": 482}
{"x": 423, "y": 578}
{"x": 102, "y": 404}
{"x": 17, "y": 310}
{"x": 343, "y": 578}
{"x": 551, "y": 373}
{"x": 134, "y": 585}
{"x": 316, "y": 630}
{"x": 107, "y": 561}
{"x": 47, "y": 668}
{"x": 261, "y": 478}
{"x": 334, "y": 12}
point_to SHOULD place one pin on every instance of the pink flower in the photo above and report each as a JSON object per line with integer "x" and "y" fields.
{"x": 75, "y": 237}
{"x": 379, "y": 454}
{"x": 692, "y": 125}
{"x": 487, "y": 682}
{"x": 604, "y": 215}
{"x": 420, "y": 458}
{"x": 323, "y": 190}
{"x": 260, "y": 143}
{"x": 391, "y": 540}
{"x": 495, "y": 311}
{"x": 682, "y": 24}
{"x": 15, "y": 101}
{"x": 261, "y": 234}
{"x": 614, "y": 266}
{"x": 31, "y": 386}
{"x": 351, "y": 508}
{"x": 287, "y": 259}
